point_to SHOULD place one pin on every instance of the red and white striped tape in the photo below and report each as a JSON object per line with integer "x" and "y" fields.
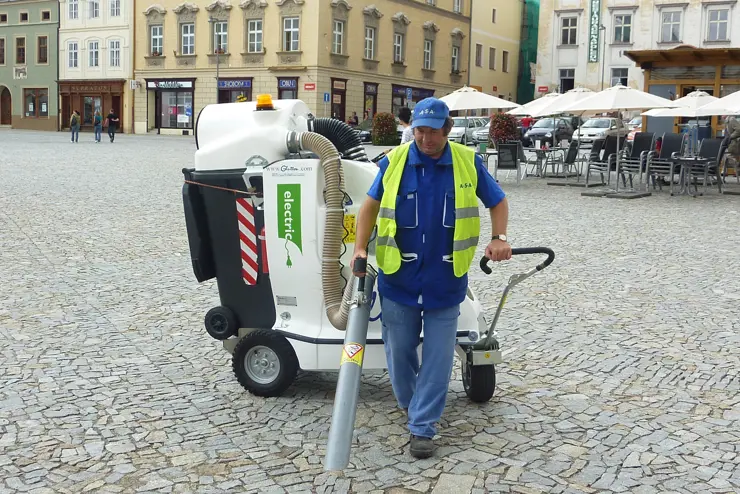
{"x": 247, "y": 239}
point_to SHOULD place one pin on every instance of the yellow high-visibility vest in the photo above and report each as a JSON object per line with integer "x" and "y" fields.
{"x": 467, "y": 219}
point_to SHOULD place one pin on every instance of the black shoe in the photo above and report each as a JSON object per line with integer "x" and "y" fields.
{"x": 422, "y": 447}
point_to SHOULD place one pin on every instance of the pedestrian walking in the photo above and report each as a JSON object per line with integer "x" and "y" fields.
{"x": 74, "y": 126}
{"x": 425, "y": 200}
{"x": 98, "y": 125}
{"x": 112, "y": 120}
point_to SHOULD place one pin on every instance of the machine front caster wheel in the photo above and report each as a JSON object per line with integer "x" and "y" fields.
{"x": 265, "y": 363}
{"x": 479, "y": 382}
{"x": 221, "y": 323}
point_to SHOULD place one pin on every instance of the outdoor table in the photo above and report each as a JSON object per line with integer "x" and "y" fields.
{"x": 686, "y": 163}
{"x": 546, "y": 155}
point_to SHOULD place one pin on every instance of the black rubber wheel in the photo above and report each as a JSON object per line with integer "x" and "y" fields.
{"x": 221, "y": 323}
{"x": 479, "y": 382}
{"x": 265, "y": 363}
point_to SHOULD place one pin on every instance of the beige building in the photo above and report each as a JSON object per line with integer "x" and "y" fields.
{"x": 494, "y": 46}
{"x": 339, "y": 56}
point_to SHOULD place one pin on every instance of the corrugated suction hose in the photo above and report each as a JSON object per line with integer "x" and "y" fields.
{"x": 336, "y": 296}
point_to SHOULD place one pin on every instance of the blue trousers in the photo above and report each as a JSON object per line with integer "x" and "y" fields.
{"x": 98, "y": 132}
{"x": 420, "y": 388}
{"x": 75, "y": 133}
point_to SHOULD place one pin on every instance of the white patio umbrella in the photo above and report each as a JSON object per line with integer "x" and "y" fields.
{"x": 555, "y": 105}
{"x": 468, "y": 98}
{"x": 534, "y": 105}
{"x": 619, "y": 98}
{"x": 728, "y": 105}
{"x": 688, "y": 106}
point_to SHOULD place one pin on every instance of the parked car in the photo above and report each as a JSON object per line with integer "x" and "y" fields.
{"x": 544, "y": 130}
{"x": 365, "y": 130}
{"x": 597, "y": 127}
{"x": 634, "y": 123}
{"x": 481, "y": 135}
{"x": 459, "y": 128}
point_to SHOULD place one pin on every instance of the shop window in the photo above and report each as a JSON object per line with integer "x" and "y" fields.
{"x": 568, "y": 30}
{"x": 670, "y": 29}
{"x": 254, "y": 36}
{"x": 35, "y": 103}
{"x": 42, "y": 50}
{"x": 620, "y": 76}
{"x": 72, "y": 8}
{"x": 371, "y": 101}
{"x": 72, "y": 54}
{"x": 288, "y": 88}
{"x": 20, "y": 51}
{"x": 291, "y": 33}
{"x": 175, "y": 105}
{"x": 623, "y": 28}
{"x": 719, "y": 20}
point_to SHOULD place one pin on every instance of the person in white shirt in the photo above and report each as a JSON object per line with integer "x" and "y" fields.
{"x": 404, "y": 115}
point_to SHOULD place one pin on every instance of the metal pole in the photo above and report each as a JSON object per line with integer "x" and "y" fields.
{"x": 350, "y": 371}
{"x": 602, "y": 28}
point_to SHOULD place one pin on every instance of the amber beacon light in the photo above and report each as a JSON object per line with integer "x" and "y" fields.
{"x": 264, "y": 102}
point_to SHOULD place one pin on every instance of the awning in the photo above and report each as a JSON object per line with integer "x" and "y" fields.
{"x": 686, "y": 55}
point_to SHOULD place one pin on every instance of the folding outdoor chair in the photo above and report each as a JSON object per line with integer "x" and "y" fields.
{"x": 635, "y": 163}
{"x": 663, "y": 165}
{"x": 604, "y": 163}
{"x": 508, "y": 159}
{"x": 712, "y": 150}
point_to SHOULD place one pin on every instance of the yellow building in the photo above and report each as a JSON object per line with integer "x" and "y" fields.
{"x": 339, "y": 56}
{"x": 494, "y": 46}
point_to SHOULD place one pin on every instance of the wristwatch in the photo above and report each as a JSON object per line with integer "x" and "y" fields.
{"x": 500, "y": 237}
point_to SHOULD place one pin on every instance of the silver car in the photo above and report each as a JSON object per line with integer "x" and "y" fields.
{"x": 598, "y": 127}
{"x": 460, "y": 128}
{"x": 482, "y": 134}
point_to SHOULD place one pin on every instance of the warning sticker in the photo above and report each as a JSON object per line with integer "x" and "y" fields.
{"x": 352, "y": 353}
{"x": 349, "y": 225}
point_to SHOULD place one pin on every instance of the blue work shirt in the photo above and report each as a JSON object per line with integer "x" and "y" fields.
{"x": 425, "y": 220}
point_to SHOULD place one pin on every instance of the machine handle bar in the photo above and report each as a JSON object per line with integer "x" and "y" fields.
{"x": 360, "y": 268}
{"x": 523, "y": 251}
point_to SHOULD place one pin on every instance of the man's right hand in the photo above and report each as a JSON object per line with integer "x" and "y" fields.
{"x": 358, "y": 253}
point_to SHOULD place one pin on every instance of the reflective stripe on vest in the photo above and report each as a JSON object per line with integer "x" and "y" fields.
{"x": 467, "y": 219}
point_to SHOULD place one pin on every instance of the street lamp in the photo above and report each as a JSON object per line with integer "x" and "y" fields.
{"x": 602, "y": 29}
{"x": 216, "y": 48}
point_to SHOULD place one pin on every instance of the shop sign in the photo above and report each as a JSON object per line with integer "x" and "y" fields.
{"x": 90, "y": 89}
{"x": 234, "y": 84}
{"x": 593, "y": 33}
{"x": 309, "y": 86}
{"x": 371, "y": 89}
{"x": 289, "y": 217}
{"x": 494, "y": 89}
{"x": 287, "y": 83}
{"x": 337, "y": 99}
{"x": 169, "y": 84}
{"x": 542, "y": 89}
{"x": 341, "y": 85}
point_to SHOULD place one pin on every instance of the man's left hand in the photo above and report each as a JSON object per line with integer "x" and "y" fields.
{"x": 498, "y": 250}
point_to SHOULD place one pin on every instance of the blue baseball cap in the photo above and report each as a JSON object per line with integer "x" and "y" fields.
{"x": 430, "y": 112}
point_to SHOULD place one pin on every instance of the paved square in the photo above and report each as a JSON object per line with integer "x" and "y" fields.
{"x": 621, "y": 372}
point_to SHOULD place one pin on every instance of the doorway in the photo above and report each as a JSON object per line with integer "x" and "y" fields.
{"x": 339, "y": 99}
{"x": 116, "y": 104}
{"x": 6, "y": 107}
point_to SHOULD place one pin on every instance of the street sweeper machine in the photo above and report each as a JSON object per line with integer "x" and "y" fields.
{"x": 270, "y": 206}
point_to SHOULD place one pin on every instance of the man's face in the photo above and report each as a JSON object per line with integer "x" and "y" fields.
{"x": 430, "y": 141}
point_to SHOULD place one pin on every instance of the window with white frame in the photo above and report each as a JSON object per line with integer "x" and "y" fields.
{"x": 72, "y": 54}
{"x": 457, "y": 6}
{"x": 620, "y": 76}
{"x": 73, "y": 9}
{"x": 220, "y": 37}
{"x": 115, "y": 8}
{"x": 291, "y": 33}
{"x": 94, "y": 9}
{"x": 337, "y": 42}
{"x": 455, "y": 59}
{"x": 187, "y": 38}
{"x": 114, "y": 53}
{"x": 718, "y": 28}
{"x": 369, "y": 43}
{"x": 254, "y": 36}
{"x": 397, "y": 48}
{"x": 93, "y": 50}
{"x": 623, "y": 28}
{"x": 428, "y": 48}
{"x": 670, "y": 28}
{"x": 568, "y": 30}
{"x": 156, "y": 39}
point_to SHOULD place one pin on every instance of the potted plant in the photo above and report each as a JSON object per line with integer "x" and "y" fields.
{"x": 504, "y": 128}
{"x": 220, "y": 51}
{"x": 155, "y": 53}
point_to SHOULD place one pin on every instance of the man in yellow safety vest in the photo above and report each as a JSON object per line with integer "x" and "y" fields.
{"x": 425, "y": 202}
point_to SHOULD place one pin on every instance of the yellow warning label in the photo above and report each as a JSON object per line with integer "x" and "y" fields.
{"x": 349, "y": 225}
{"x": 352, "y": 352}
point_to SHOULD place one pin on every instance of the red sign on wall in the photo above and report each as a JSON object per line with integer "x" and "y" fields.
{"x": 494, "y": 89}
{"x": 542, "y": 89}
{"x": 309, "y": 86}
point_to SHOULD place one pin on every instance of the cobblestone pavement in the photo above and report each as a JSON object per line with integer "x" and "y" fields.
{"x": 621, "y": 370}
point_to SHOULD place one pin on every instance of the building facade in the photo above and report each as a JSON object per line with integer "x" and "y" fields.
{"x": 28, "y": 64}
{"x": 586, "y": 42}
{"x": 96, "y": 60}
{"x": 495, "y": 47}
{"x": 341, "y": 57}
